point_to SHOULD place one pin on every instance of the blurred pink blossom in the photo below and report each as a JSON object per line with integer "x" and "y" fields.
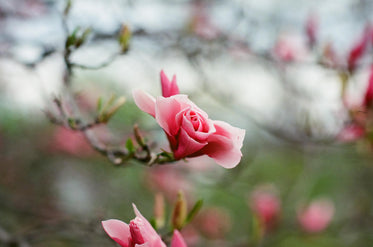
{"x": 169, "y": 181}
{"x": 191, "y": 235}
{"x": 311, "y": 29}
{"x": 201, "y": 23}
{"x": 71, "y": 142}
{"x": 359, "y": 112}
{"x": 213, "y": 222}
{"x": 351, "y": 133}
{"x": 266, "y": 206}
{"x": 290, "y": 48}
{"x": 189, "y": 130}
{"x": 316, "y": 216}
{"x": 368, "y": 96}
{"x": 358, "y": 49}
{"x": 138, "y": 232}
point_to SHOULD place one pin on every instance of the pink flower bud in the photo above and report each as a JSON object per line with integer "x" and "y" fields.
{"x": 159, "y": 210}
{"x": 317, "y": 216}
{"x": 180, "y": 212}
{"x": 168, "y": 88}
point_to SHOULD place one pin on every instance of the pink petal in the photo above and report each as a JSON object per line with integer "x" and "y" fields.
{"x": 146, "y": 223}
{"x": 368, "y": 97}
{"x": 168, "y": 88}
{"x": 168, "y": 109}
{"x": 178, "y": 240}
{"x": 351, "y": 133}
{"x": 144, "y": 101}
{"x": 118, "y": 231}
{"x": 224, "y": 146}
{"x": 165, "y": 112}
{"x": 198, "y": 135}
{"x": 359, "y": 48}
{"x": 187, "y": 145}
{"x": 235, "y": 134}
{"x": 145, "y": 229}
{"x": 157, "y": 243}
{"x": 174, "y": 89}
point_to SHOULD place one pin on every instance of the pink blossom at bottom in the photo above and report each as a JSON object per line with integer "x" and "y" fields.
{"x": 138, "y": 233}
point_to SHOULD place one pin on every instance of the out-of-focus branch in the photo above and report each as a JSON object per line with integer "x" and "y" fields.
{"x": 11, "y": 241}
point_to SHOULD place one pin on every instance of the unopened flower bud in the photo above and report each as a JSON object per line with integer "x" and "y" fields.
{"x": 114, "y": 108}
{"x": 139, "y": 139}
{"x": 67, "y": 7}
{"x": 179, "y": 214}
{"x": 83, "y": 37}
{"x": 124, "y": 38}
{"x": 159, "y": 210}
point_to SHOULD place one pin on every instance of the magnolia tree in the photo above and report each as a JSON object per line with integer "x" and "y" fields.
{"x": 284, "y": 207}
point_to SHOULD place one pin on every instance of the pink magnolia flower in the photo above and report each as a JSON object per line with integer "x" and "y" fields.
{"x": 317, "y": 216}
{"x": 138, "y": 233}
{"x": 189, "y": 130}
{"x": 266, "y": 206}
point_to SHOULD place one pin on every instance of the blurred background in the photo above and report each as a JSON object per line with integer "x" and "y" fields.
{"x": 295, "y": 74}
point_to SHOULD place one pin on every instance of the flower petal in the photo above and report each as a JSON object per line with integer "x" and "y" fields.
{"x": 118, "y": 231}
{"x": 147, "y": 232}
{"x": 178, "y": 240}
{"x": 187, "y": 145}
{"x": 144, "y": 101}
{"x": 224, "y": 146}
{"x": 165, "y": 114}
{"x": 168, "y": 88}
{"x": 235, "y": 134}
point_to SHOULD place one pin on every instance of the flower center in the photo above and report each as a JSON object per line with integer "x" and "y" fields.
{"x": 136, "y": 234}
{"x": 195, "y": 119}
